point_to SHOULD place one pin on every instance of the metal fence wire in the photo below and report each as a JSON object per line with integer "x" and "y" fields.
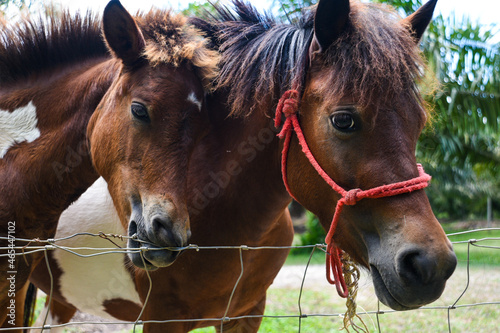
{"x": 24, "y": 247}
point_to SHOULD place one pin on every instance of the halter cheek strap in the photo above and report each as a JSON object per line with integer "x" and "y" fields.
{"x": 288, "y": 106}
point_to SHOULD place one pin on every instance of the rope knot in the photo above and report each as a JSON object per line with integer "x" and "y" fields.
{"x": 351, "y": 197}
{"x": 288, "y": 105}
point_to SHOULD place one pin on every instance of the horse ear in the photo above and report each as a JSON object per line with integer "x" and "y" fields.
{"x": 418, "y": 21}
{"x": 122, "y": 34}
{"x": 330, "y": 21}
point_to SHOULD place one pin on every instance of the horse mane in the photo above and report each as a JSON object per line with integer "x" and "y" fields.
{"x": 375, "y": 61}
{"x": 171, "y": 39}
{"x": 32, "y": 46}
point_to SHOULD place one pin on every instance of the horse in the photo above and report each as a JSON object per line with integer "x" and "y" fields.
{"x": 74, "y": 106}
{"x": 348, "y": 75}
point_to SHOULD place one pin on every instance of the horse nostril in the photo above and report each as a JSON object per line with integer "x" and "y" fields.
{"x": 414, "y": 266}
{"x": 132, "y": 228}
{"x": 163, "y": 228}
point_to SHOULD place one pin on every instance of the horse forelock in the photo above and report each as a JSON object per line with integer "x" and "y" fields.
{"x": 376, "y": 61}
{"x": 259, "y": 57}
{"x": 171, "y": 39}
{"x": 32, "y": 46}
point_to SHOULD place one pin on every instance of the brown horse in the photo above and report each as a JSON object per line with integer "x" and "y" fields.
{"x": 148, "y": 98}
{"x": 355, "y": 69}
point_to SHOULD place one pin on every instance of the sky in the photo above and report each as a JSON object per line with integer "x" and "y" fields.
{"x": 487, "y": 11}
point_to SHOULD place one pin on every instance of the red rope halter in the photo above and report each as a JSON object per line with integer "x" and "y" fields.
{"x": 288, "y": 106}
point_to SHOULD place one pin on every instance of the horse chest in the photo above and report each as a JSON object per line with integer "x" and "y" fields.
{"x": 91, "y": 283}
{"x": 18, "y": 126}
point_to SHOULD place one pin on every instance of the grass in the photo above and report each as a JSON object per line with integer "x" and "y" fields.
{"x": 323, "y": 300}
{"x": 302, "y": 258}
{"x": 478, "y": 254}
{"x": 483, "y": 287}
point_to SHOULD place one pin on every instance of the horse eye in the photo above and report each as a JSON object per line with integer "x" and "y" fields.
{"x": 139, "y": 111}
{"x": 343, "y": 121}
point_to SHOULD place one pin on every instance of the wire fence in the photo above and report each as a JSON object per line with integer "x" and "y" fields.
{"x": 28, "y": 247}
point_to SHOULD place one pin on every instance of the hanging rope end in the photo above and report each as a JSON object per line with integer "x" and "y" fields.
{"x": 334, "y": 273}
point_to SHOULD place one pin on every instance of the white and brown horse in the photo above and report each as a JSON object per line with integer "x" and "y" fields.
{"x": 72, "y": 108}
{"x": 352, "y": 70}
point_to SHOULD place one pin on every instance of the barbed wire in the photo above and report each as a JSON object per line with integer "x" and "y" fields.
{"x": 51, "y": 246}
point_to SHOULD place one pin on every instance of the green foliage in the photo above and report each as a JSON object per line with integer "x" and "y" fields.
{"x": 4, "y": 3}
{"x": 315, "y": 234}
{"x": 406, "y": 6}
{"x": 290, "y": 10}
{"x": 199, "y": 9}
{"x": 8, "y": 4}
{"x": 480, "y": 253}
{"x": 461, "y": 148}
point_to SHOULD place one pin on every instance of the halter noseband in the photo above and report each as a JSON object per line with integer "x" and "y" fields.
{"x": 289, "y": 106}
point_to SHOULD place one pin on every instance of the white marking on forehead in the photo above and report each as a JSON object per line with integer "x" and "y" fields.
{"x": 193, "y": 99}
{"x": 18, "y": 126}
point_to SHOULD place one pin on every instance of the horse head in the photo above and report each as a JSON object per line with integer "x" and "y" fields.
{"x": 361, "y": 113}
{"x": 144, "y": 129}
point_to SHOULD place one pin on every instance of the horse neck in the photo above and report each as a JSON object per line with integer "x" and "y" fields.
{"x": 39, "y": 180}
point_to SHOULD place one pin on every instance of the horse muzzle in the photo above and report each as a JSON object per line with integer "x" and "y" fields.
{"x": 414, "y": 278}
{"x": 158, "y": 242}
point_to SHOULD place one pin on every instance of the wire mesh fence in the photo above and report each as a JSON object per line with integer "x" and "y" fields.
{"x": 446, "y": 308}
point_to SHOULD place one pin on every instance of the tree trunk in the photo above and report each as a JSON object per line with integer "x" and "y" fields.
{"x": 489, "y": 212}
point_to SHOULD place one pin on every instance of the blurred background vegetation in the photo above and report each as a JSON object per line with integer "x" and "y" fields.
{"x": 461, "y": 147}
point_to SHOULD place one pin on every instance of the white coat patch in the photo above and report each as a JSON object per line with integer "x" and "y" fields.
{"x": 88, "y": 282}
{"x": 18, "y": 126}
{"x": 193, "y": 99}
